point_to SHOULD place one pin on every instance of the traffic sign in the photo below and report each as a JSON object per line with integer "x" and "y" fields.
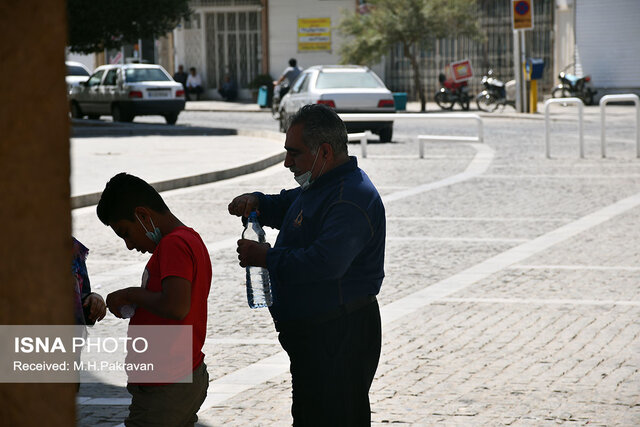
{"x": 522, "y": 14}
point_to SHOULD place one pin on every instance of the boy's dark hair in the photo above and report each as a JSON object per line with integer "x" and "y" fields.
{"x": 293, "y": 62}
{"x": 122, "y": 194}
{"x": 321, "y": 124}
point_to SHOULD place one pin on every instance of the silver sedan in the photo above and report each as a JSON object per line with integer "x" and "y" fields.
{"x": 347, "y": 89}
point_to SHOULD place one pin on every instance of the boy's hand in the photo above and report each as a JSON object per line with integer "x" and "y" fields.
{"x": 117, "y": 299}
{"x": 97, "y": 307}
{"x": 252, "y": 253}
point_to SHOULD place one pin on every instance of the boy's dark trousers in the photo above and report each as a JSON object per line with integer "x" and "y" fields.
{"x": 173, "y": 405}
{"x": 332, "y": 367}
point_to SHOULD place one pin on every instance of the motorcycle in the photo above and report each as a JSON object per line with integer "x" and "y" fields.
{"x": 452, "y": 92}
{"x": 496, "y": 93}
{"x": 574, "y": 86}
{"x": 279, "y": 91}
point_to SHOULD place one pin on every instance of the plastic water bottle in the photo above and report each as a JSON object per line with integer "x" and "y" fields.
{"x": 127, "y": 311}
{"x": 258, "y": 283}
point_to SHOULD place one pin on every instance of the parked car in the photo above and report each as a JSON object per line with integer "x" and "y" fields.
{"x": 347, "y": 89}
{"x": 76, "y": 73}
{"x": 126, "y": 91}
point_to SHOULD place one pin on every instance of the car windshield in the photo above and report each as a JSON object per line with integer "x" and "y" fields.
{"x": 74, "y": 70}
{"x": 134, "y": 75}
{"x": 343, "y": 80}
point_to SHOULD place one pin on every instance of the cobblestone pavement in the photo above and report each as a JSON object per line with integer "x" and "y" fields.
{"x": 511, "y": 296}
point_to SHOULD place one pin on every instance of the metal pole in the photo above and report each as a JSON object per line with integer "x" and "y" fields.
{"x": 363, "y": 144}
{"x": 516, "y": 68}
{"x": 547, "y": 132}
{"x": 603, "y": 131}
{"x": 520, "y": 68}
{"x": 581, "y": 130}
{"x": 637, "y": 104}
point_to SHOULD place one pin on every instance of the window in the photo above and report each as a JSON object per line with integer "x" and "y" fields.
{"x": 343, "y": 80}
{"x": 300, "y": 81}
{"x": 133, "y": 75}
{"x": 95, "y": 79}
{"x": 111, "y": 78}
{"x": 75, "y": 70}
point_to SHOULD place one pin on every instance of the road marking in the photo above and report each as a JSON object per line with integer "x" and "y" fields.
{"x": 257, "y": 373}
{"x": 411, "y": 303}
{"x": 574, "y": 267}
{"x": 539, "y": 301}
{"x": 478, "y": 165}
{"x": 482, "y": 219}
{"x": 606, "y": 177}
{"x": 457, "y": 239}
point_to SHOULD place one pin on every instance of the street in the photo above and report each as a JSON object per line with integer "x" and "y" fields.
{"x": 511, "y": 294}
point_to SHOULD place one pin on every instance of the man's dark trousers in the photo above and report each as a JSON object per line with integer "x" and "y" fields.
{"x": 332, "y": 367}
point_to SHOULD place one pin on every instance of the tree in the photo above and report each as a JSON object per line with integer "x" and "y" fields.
{"x": 95, "y": 25}
{"x": 413, "y": 24}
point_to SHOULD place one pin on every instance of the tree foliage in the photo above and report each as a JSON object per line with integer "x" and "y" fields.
{"x": 412, "y": 24}
{"x": 95, "y": 25}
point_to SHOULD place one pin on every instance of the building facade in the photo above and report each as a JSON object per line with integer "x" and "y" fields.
{"x": 249, "y": 38}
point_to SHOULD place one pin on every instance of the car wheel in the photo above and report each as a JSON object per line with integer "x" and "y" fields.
{"x": 386, "y": 134}
{"x": 119, "y": 115}
{"x": 171, "y": 118}
{"x": 76, "y": 112}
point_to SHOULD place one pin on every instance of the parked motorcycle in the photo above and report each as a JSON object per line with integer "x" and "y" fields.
{"x": 574, "y": 86}
{"x": 279, "y": 91}
{"x": 452, "y": 92}
{"x": 496, "y": 93}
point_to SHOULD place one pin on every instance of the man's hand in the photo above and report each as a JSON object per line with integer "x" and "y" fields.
{"x": 97, "y": 307}
{"x": 252, "y": 253}
{"x": 243, "y": 205}
{"x": 115, "y": 300}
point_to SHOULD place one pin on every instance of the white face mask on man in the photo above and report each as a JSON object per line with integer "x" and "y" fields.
{"x": 304, "y": 180}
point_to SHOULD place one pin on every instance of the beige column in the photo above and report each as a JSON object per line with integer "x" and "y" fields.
{"x": 35, "y": 248}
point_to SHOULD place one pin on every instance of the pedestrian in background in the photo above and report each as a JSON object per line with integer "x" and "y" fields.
{"x": 326, "y": 267}
{"x": 181, "y": 77}
{"x": 289, "y": 75}
{"x": 228, "y": 89}
{"x": 194, "y": 84}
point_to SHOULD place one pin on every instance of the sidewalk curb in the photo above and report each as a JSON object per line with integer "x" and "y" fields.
{"x": 90, "y": 199}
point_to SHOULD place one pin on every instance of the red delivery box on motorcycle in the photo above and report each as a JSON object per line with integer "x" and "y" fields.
{"x": 461, "y": 71}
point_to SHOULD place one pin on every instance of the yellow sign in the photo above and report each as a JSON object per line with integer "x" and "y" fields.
{"x": 522, "y": 13}
{"x": 314, "y": 34}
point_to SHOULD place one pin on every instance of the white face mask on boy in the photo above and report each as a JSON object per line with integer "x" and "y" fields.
{"x": 154, "y": 235}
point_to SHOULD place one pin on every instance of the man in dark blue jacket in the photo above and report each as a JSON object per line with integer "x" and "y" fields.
{"x": 326, "y": 267}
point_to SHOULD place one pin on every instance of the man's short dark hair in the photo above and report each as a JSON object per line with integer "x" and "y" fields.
{"x": 321, "y": 124}
{"x": 122, "y": 194}
{"x": 293, "y": 62}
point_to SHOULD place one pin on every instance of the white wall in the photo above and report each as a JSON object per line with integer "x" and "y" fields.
{"x": 608, "y": 42}
{"x": 88, "y": 60}
{"x": 283, "y": 31}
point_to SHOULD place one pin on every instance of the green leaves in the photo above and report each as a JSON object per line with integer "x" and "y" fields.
{"x": 95, "y": 25}
{"x": 408, "y": 22}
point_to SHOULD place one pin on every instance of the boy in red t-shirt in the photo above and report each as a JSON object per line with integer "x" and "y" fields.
{"x": 175, "y": 288}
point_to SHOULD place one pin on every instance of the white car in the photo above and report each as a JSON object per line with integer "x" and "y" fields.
{"x": 345, "y": 88}
{"x": 76, "y": 73}
{"x": 126, "y": 91}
